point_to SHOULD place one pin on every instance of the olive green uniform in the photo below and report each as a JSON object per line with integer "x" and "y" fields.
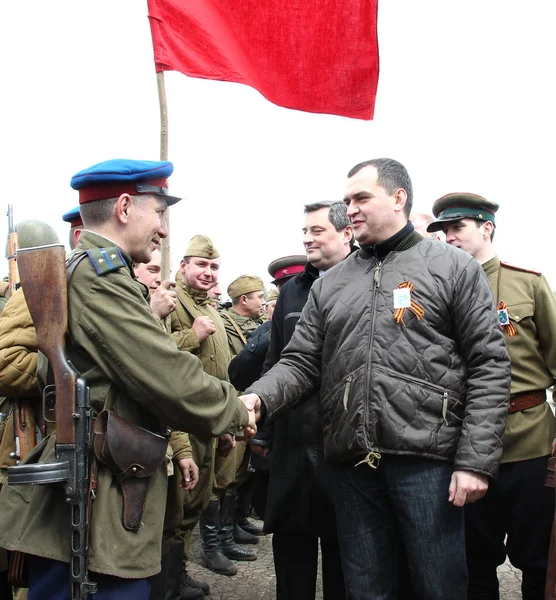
{"x": 214, "y": 355}
{"x": 4, "y": 286}
{"x": 134, "y": 368}
{"x": 514, "y": 517}
{"x": 532, "y": 310}
{"x": 232, "y": 469}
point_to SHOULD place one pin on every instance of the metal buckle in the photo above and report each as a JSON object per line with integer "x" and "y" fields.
{"x": 143, "y": 188}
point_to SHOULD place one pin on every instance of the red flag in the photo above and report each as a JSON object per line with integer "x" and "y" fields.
{"x": 312, "y": 55}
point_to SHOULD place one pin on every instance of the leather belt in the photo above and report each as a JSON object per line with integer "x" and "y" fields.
{"x": 526, "y": 400}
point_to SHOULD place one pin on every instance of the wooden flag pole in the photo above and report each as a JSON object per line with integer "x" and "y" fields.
{"x": 165, "y": 250}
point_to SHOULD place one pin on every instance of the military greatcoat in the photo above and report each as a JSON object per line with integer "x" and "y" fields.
{"x": 134, "y": 368}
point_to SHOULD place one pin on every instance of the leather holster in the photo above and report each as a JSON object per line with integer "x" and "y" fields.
{"x": 133, "y": 454}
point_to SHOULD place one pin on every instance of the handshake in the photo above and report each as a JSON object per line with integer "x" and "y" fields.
{"x": 253, "y": 404}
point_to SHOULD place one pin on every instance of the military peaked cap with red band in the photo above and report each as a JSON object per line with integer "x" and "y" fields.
{"x": 287, "y": 266}
{"x": 454, "y": 207}
{"x": 73, "y": 217}
{"x": 112, "y": 178}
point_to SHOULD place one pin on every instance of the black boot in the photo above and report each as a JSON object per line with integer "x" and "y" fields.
{"x": 209, "y": 526}
{"x": 227, "y": 543}
{"x": 5, "y": 587}
{"x": 158, "y": 581}
{"x": 166, "y": 584}
{"x": 188, "y": 583}
{"x": 243, "y": 537}
{"x": 243, "y": 510}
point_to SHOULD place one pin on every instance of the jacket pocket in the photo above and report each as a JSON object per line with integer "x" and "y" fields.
{"x": 518, "y": 312}
{"x": 346, "y": 392}
{"x": 344, "y": 417}
{"x": 435, "y": 404}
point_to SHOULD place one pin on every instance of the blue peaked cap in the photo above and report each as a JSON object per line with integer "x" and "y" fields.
{"x": 112, "y": 178}
{"x": 73, "y": 216}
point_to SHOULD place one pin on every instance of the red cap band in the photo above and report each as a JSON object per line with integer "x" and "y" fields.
{"x": 116, "y": 189}
{"x": 288, "y": 271}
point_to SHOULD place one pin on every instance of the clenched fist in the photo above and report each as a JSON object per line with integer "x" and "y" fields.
{"x": 203, "y": 327}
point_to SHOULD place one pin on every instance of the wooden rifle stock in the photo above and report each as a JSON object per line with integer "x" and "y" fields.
{"x": 13, "y": 245}
{"x": 44, "y": 283}
{"x": 48, "y": 305}
{"x": 24, "y": 416}
{"x": 25, "y": 433}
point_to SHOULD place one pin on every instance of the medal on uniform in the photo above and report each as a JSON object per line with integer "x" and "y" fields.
{"x": 403, "y": 301}
{"x": 504, "y": 319}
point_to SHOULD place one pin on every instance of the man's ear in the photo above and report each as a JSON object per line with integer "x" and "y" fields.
{"x": 488, "y": 228}
{"x": 123, "y": 208}
{"x": 400, "y": 197}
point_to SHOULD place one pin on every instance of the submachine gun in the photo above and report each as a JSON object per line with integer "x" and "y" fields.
{"x": 48, "y": 307}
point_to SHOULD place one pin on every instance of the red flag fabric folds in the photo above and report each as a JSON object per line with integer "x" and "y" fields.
{"x": 311, "y": 55}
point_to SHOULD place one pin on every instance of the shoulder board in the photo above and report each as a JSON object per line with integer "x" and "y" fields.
{"x": 106, "y": 260}
{"x": 505, "y": 264}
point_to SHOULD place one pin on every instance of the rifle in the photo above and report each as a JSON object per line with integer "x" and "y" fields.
{"x": 48, "y": 307}
{"x": 13, "y": 245}
{"x": 24, "y": 418}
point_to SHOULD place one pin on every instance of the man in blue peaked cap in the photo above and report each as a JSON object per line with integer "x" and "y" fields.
{"x": 132, "y": 368}
{"x": 73, "y": 217}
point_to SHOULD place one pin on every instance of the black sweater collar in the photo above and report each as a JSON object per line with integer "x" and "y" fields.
{"x": 403, "y": 240}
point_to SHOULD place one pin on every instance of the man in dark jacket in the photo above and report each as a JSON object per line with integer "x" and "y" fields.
{"x": 300, "y": 507}
{"x": 403, "y": 339}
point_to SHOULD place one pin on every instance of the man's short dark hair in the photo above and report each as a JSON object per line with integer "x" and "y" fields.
{"x": 391, "y": 175}
{"x": 99, "y": 212}
{"x": 479, "y": 223}
{"x": 337, "y": 214}
{"x": 235, "y": 301}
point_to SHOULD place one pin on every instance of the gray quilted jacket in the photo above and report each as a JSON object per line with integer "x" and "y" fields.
{"x": 435, "y": 387}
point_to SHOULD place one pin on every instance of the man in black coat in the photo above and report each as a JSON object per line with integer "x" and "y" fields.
{"x": 300, "y": 508}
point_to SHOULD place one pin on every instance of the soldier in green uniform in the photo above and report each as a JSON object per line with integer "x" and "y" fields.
{"x": 4, "y": 287}
{"x": 232, "y": 474}
{"x": 198, "y": 328}
{"x": 133, "y": 368}
{"x": 18, "y": 355}
{"x": 517, "y": 504}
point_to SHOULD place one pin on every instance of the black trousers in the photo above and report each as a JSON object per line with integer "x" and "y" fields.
{"x": 517, "y": 505}
{"x": 295, "y": 563}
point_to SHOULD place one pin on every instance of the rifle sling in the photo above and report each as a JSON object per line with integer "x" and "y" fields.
{"x": 236, "y": 327}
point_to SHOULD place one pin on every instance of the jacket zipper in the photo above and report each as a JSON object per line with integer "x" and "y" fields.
{"x": 431, "y": 386}
{"x": 377, "y": 275}
{"x": 427, "y": 384}
{"x": 445, "y": 407}
{"x": 346, "y": 392}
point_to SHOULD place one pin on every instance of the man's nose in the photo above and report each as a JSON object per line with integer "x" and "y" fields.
{"x": 163, "y": 229}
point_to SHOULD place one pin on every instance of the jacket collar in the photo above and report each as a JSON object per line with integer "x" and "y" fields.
{"x": 403, "y": 240}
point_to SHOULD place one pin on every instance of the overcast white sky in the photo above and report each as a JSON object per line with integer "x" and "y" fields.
{"x": 465, "y": 100}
